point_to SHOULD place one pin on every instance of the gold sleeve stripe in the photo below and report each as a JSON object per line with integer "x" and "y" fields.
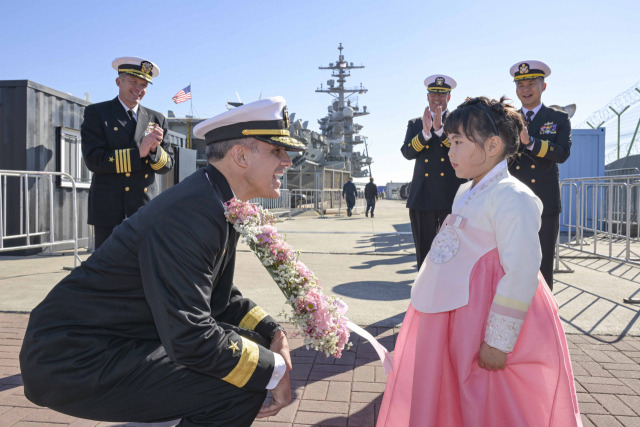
{"x": 446, "y": 142}
{"x": 544, "y": 148}
{"x": 511, "y": 303}
{"x": 118, "y": 162}
{"x": 123, "y": 161}
{"x": 252, "y": 318}
{"x": 416, "y": 144}
{"x": 128, "y": 159}
{"x": 246, "y": 364}
{"x": 164, "y": 157}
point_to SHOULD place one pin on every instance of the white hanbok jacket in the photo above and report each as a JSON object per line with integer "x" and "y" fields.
{"x": 499, "y": 212}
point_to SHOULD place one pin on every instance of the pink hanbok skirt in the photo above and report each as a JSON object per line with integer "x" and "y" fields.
{"x": 436, "y": 380}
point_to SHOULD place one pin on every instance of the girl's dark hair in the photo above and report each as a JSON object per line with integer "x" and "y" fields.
{"x": 481, "y": 118}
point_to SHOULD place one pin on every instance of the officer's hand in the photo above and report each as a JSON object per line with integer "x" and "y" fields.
{"x": 437, "y": 118}
{"x": 281, "y": 396}
{"x": 427, "y": 121}
{"x": 151, "y": 141}
{"x": 280, "y": 345}
{"x": 524, "y": 136}
{"x": 491, "y": 358}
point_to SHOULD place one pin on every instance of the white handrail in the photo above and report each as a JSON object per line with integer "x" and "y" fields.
{"x": 25, "y": 209}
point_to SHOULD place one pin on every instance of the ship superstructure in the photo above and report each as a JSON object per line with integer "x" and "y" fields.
{"x": 339, "y": 145}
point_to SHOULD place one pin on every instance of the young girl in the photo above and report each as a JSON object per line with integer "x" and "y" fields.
{"x": 481, "y": 343}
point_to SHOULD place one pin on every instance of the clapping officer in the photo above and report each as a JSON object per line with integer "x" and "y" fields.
{"x": 545, "y": 142}
{"x": 434, "y": 183}
{"x": 125, "y": 145}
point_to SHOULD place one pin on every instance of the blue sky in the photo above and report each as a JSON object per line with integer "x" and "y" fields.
{"x": 267, "y": 48}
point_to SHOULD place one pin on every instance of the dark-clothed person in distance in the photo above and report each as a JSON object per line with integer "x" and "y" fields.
{"x": 434, "y": 183}
{"x": 151, "y": 327}
{"x": 546, "y": 141}
{"x": 125, "y": 145}
{"x": 350, "y": 194}
{"x": 370, "y": 194}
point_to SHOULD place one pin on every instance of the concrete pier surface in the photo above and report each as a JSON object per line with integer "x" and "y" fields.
{"x": 370, "y": 263}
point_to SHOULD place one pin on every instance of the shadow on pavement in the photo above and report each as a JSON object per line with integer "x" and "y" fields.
{"x": 375, "y": 290}
{"x": 595, "y": 299}
{"x": 386, "y": 261}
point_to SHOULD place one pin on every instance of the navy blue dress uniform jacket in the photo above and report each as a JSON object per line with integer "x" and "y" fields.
{"x": 538, "y": 168}
{"x": 122, "y": 182}
{"x": 434, "y": 183}
{"x": 162, "y": 283}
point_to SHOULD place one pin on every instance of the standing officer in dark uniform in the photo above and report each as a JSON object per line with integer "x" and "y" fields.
{"x": 434, "y": 183}
{"x": 350, "y": 194}
{"x": 151, "y": 327}
{"x": 124, "y": 144}
{"x": 546, "y": 141}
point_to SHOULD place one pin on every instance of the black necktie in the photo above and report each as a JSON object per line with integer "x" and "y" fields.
{"x": 130, "y": 112}
{"x": 529, "y": 116}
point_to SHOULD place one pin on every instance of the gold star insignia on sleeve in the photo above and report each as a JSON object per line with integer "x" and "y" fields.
{"x": 111, "y": 159}
{"x": 233, "y": 347}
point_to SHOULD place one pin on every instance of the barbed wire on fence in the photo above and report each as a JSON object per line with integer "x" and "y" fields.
{"x": 621, "y": 118}
{"x": 629, "y": 135}
{"x": 624, "y": 100}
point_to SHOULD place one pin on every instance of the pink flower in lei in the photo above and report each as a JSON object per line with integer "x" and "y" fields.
{"x": 319, "y": 318}
{"x": 304, "y": 273}
{"x": 268, "y": 235}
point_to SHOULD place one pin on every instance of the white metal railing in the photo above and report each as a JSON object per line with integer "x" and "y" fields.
{"x": 320, "y": 201}
{"x": 600, "y": 216}
{"x": 27, "y": 209}
{"x": 278, "y": 206}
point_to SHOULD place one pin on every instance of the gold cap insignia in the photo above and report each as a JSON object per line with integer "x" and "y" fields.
{"x": 524, "y": 68}
{"x": 146, "y": 67}
{"x": 439, "y": 81}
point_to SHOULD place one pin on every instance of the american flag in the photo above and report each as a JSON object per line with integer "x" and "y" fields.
{"x": 183, "y": 95}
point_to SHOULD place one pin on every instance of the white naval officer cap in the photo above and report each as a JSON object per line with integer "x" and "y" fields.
{"x": 439, "y": 83}
{"x": 525, "y": 70}
{"x": 266, "y": 120}
{"x": 137, "y": 67}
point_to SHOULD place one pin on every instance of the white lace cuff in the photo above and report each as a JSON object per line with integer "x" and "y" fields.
{"x": 502, "y": 332}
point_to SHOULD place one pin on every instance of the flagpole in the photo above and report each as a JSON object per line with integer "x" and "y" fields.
{"x": 189, "y": 116}
{"x": 191, "y": 99}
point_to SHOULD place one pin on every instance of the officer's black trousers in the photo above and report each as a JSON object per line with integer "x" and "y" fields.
{"x": 160, "y": 390}
{"x": 425, "y": 225}
{"x": 548, "y": 235}
{"x": 101, "y": 234}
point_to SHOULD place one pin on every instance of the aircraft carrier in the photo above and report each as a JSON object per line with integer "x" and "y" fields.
{"x": 339, "y": 146}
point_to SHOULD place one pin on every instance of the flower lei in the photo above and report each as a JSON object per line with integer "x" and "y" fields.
{"x": 318, "y": 317}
